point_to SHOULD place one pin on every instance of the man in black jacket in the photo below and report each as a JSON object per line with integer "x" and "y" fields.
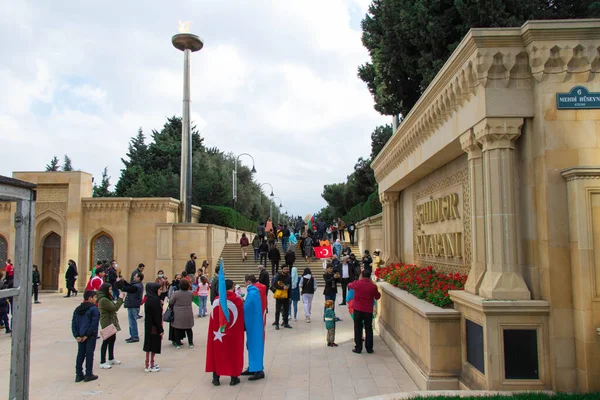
{"x": 133, "y": 302}
{"x": 290, "y": 258}
{"x": 331, "y": 279}
{"x": 190, "y": 267}
{"x": 283, "y": 281}
{"x": 351, "y": 231}
{"x": 335, "y": 263}
{"x": 138, "y": 270}
{"x": 355, "y": 266}
{"x": 264, "y": 252}
{"x": 275, "y": 257}
{"x": 347, "y": 276}
{"x": 285, "y": 237}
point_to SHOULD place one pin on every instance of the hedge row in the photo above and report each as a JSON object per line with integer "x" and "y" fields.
{"x": 225, "y": 216}
{"x": 364, "y": 210}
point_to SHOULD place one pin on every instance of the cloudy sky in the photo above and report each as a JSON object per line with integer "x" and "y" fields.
{"x": 276, "y": 79}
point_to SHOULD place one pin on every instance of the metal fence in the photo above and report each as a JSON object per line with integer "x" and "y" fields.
{"x": 23, "y": 193}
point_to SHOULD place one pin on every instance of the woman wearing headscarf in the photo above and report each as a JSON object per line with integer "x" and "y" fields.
{"x": 153, "y": 329}
{"x": 108, "y": 315}
{"x": 71, "y": 277}
{"x": 184, "y": 314}
{"x": 295, "y": 293}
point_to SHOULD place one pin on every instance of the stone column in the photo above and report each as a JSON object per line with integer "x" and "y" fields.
{"x": 389, "y": 202}
{"x": 471, "y": 147}
{"x": 502, "y": 279}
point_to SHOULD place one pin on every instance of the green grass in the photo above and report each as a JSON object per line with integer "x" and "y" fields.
{"x": 524, "y": 396}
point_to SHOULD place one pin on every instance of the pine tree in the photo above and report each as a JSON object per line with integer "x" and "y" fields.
{"x": 67, "y": 164}
{"x": 53, "y": 166}
{"x": 137, "y": 159}
{"x": 102, "y": 190}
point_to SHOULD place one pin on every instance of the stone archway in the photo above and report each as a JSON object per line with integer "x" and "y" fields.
{"x": 51, "y": 261}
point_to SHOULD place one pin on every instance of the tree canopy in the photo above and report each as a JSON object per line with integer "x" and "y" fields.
{"x": 359, "y": 185}
{"x": 410, "y": 40}
{"x": 152, "y": 170}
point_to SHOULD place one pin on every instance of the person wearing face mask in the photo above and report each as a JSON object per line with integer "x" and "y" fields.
{"x": 190, "y": 267}
{"x": 164, "y": 284}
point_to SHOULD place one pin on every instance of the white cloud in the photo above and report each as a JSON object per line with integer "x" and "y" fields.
{"x": 275, "y": 79}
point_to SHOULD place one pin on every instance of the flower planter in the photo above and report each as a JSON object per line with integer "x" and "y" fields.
{"x": 423, "y": 337}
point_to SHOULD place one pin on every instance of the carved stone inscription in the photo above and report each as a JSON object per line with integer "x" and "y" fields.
{"x": 441, "y": 224}
{"x": 435, "y": 212}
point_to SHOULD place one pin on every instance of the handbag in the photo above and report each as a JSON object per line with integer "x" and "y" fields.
{"x": 108, "y": 331}
{"x": 169, "y": 315}
{"x": 280, "y": 294}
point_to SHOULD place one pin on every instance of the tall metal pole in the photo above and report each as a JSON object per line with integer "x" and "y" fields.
{"x": 187, "y": 43}
{"x": 186, "y": 141}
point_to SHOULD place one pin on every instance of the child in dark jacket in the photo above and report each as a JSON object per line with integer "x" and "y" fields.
{"x": 85, "y": 330}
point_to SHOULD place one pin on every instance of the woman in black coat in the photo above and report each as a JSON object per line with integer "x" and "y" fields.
{"x": 153, "y": 330}
{"x": 71, "y": 277}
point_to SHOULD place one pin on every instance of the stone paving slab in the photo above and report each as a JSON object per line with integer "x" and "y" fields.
{"x": 298, "y": 364}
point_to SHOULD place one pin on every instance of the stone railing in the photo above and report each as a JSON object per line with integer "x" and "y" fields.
{"x": 425, "y": 339}
{"x": 369, "y": 234}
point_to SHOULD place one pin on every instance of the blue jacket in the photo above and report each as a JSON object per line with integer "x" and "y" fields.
{"x": 85, "y": 320}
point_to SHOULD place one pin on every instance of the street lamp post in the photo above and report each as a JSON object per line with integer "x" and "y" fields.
{"x": 270, "y": 206}
{"x": 187, "y": 43}
{"x": 280, "y": 205}
{"x": 234, "y": 187}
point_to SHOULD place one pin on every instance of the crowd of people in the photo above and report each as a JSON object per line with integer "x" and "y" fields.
{"x": 170, "y": 301}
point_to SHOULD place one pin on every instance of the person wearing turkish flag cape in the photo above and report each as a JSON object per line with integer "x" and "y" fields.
{"x": 225, "y": 343}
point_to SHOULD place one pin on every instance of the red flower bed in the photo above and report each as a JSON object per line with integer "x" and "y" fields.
{"x": 425, "y": 283}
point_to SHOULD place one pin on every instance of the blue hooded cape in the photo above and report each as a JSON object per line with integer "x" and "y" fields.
{"x": 255, "y": 333}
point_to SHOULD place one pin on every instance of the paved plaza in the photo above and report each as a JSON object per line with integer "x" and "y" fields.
{"x": 298, "y": 364}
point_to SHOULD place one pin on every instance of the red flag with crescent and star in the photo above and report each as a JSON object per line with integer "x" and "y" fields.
{"x": 323, "y": 251}
{"x": 225, "y": 344}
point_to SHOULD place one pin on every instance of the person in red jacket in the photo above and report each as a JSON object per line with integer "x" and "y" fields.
{"x": 365, "y": 292}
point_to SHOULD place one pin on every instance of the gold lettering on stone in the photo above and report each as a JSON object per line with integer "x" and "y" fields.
{"x": 447, "y": 245}
{"x": 439, "y": 210}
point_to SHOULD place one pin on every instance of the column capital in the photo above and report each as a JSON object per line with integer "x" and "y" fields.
{"x": 389, "y": 197}
{"x": 498, "y": 133}
{"x": 470, "y": 145}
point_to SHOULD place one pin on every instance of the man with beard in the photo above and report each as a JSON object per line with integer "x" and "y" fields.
{"x": 255, "y": 330}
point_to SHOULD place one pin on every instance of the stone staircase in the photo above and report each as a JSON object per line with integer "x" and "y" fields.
{"x": 236, "y": 269}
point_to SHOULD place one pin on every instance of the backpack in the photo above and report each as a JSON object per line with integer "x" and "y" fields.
{"x": 261, "y": 230}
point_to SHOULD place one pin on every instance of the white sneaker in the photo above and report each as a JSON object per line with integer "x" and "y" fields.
{"x": 191, "y": 346}
{"x": 154, "y": 369}
{"x": 105, "y": 366}
{"x": 114, "y": 362}
{"x": 147, "y": 369}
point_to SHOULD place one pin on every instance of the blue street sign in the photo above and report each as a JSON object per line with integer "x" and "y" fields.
{"x": 579, "y": 98}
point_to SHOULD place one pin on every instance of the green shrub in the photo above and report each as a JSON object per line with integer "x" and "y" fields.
{"x": 364, "y": 210}
{"x": 225, "y": 216}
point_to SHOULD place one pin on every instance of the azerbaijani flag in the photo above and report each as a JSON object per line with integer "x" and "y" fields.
{"x": 223, "y": 309}
{"x": 312, "y": 223}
